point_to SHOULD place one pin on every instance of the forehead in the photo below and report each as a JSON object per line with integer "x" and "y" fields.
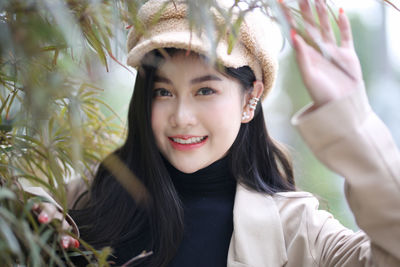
{"x": 181, "y": 65}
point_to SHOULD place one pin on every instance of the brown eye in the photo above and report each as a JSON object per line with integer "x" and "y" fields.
{"x": 206, "y": 91}
{"x": 161, "y": 92}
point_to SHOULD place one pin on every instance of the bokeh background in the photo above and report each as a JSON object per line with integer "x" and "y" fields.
{"x": 377, "y": 42}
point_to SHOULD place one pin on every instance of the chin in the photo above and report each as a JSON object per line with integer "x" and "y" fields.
{"x": 188, "y": 169}
{"x": 188, "y": 166}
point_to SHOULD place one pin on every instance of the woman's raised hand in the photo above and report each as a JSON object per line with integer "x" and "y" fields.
{"x": 46, "y": 212}
{"x": 339, "y": 72}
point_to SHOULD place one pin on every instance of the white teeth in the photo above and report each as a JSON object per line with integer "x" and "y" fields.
{"x": 192, "y": 140}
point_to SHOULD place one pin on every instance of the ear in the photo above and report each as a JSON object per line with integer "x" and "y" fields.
{"x": 250, "y": 98}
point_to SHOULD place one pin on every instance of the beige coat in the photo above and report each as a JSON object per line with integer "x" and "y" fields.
{"x": 287, "y": 229}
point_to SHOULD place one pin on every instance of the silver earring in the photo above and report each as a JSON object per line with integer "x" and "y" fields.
{"x": 253, "y": 103}
{"x": 245, "y": 116}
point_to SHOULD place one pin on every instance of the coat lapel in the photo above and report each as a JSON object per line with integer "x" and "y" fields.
{"x": 257, "y": 238}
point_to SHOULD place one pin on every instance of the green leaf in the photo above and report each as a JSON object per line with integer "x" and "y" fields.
{"x": 233, "y": 36}
{"x": 6, "y": 193}
{"x": 44, "y": 237}
{"x": 8, "y": 235}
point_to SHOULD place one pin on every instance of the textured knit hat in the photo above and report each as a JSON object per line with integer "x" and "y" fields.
{"x": 258, "y": 44}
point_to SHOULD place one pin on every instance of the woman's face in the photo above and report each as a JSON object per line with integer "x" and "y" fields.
{"x": 196, "y": 112}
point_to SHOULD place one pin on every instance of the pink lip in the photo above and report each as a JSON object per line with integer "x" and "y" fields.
{"x": 185, "y": 147}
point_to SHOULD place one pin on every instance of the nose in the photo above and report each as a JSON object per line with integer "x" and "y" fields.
{"x": 183, "y": 115}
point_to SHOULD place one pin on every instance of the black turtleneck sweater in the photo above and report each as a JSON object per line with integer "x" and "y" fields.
{"x": 208, "y": 197}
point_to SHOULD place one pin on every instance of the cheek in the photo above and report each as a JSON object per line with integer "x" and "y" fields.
{"x": 227, "y": 114}
{"x": 158, "y": 118}
{"x": 226, "y": 119}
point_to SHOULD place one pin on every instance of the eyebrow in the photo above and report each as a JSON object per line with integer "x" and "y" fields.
{"x": 161, "y": 79}
{"x": 204, "y": 78}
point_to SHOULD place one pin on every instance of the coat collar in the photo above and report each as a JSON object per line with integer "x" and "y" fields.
{"x": 257, "y": 238}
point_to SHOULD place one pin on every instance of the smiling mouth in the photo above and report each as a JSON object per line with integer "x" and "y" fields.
{"x": 188, "y": 141}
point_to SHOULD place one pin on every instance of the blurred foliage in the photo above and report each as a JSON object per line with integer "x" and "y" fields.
{"x": 25, "y": 241}
{"x": 51, "y": 126}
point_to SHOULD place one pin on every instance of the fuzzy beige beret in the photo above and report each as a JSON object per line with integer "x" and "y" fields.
{"x": 258, "y": 44}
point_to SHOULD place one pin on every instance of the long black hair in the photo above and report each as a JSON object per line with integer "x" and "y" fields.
{"x": 114, "y": 218}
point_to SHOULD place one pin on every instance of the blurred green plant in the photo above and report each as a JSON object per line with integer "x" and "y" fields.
{"x": 51, "y": 127}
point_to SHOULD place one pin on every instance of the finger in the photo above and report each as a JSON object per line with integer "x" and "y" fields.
{"x": 69, "y": 242}
{"x": 288, "y": 15}
{"x": 36, "y": 207}
{"x": 43, "y": 217}
{"x": 306, "y": 12}
{"x": 66, "y": 226}
{"x": 300, "y": 46}
{"x": 309, "y": 22}
{"x": 57, "y": 215}
{"x": 304, "y": 54}
{"x": 326, "y": 28}
{"x": 345, "y": 30}
{"x": 49, "y": 212}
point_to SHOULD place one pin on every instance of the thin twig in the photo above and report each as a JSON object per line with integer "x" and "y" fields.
{"x": 333, "y": 14}
{"x": 393, "y": 5}
{"x": 117, "y": 61}
{"x": 140, "y": 256}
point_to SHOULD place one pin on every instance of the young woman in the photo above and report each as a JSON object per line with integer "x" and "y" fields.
{"x": 218, "y": 190}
